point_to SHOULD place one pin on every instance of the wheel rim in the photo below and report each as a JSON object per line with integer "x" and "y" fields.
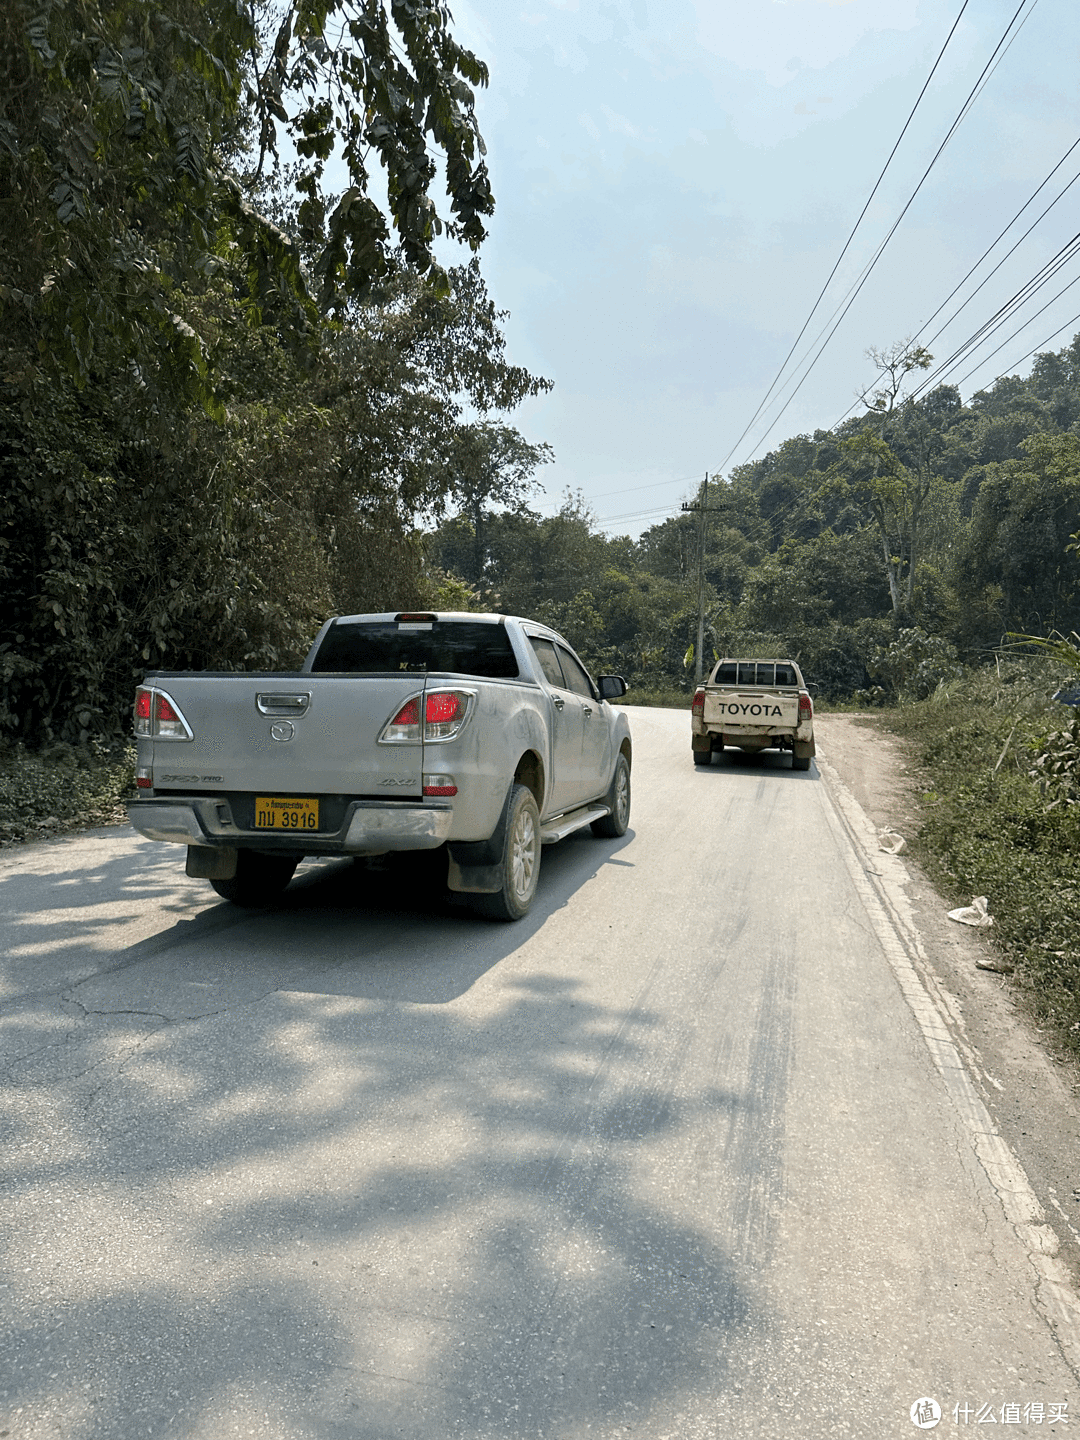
{"x": 622, "y": 794}
{"x": 523, "y": 855}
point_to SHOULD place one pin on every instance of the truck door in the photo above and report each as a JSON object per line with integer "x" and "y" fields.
{"x": 595, "y": 761}
{"x": 567, "y": 721}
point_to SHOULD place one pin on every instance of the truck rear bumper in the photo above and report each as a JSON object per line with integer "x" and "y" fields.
{"x": 800, "y": 740}
{"x": 369, "y": 827}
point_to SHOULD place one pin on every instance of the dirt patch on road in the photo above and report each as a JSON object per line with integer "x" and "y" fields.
{"x": 1033, "y": 1094}
{"x": 874, "y": 765}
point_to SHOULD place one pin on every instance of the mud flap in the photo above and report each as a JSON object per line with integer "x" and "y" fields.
{"x": 211, "y": 862}
{"x": 475, "y": 866}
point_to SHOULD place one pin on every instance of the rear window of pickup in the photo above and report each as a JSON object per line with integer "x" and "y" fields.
{"x": 461, "y": 647}
{"x": 753, "y": 672}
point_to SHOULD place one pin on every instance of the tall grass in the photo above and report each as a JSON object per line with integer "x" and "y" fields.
{"x": 992, "y": 825}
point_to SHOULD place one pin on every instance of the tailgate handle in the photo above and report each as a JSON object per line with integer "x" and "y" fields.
{"x": 285, "y": 704}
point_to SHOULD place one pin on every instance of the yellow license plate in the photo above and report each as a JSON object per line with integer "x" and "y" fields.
{"x": 278, "y": 812}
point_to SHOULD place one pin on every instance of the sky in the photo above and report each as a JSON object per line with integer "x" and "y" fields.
{"x": 674, "y": 183}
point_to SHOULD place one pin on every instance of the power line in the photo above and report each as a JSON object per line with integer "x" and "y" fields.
{"x": 959, "y": 286}
{"x": 1008, "y": 252}
{"x": 854, "y": 292}
{"x": 659, "y": 512}
{"x": 1038, "y": 348}
{"x": 850, "y": 238}
{"x": 1030, "y": 288}
{"x": 1023, "y": 327}
{"x": 653, "y": 485}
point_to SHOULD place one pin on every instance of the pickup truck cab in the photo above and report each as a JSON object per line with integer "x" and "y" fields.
{"x": 483, "y": 734}
{"x": 752, "y": 705}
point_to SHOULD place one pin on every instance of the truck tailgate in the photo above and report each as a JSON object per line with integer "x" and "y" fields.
{"x": 733, "y": 708}
{"x": 299, "y": 734}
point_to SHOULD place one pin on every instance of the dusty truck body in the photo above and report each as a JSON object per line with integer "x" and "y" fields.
{"x": 753, "y": 705}
{"x": 482, "y": 734}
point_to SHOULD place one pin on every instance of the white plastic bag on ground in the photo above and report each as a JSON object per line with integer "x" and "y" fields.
{"x": 977, "y": 913}
{"x": 891, "y": 842}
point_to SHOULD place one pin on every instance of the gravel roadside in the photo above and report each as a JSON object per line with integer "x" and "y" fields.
{"x": 1033, "y": 1095}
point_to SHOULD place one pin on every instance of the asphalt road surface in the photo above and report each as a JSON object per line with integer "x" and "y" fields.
{"x": 689, "y": 1152}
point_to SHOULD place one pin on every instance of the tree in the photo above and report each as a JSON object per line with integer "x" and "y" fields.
{"x": 892, "y": 493}
{"x": 490, "y": 464}
{"x": 1018, "y": 546}
{"x": 135, "y": 535}
{"x": 125, "y": 168}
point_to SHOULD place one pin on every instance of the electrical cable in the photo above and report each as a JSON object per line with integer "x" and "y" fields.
{"x": 633, "y": 489}
{"x": 1007, "y": 254}
{"x": 1037, "y": 350}
{"x": 1023, "y": 327}
{"x": 850, "y": 238}
{"x": 1030, "y": 288}
{"x": 995, "y": 59}
{"x": 956, "y": 289}
{"x": 853, "y": 294}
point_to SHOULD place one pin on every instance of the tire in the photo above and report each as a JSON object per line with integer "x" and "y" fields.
{"x": 800, "y": 762}
{"x": 702, "y": 757}
{"x": 520, "y": 862}
{"x": 260, "y": 880}
{"x": 610, "y": 827}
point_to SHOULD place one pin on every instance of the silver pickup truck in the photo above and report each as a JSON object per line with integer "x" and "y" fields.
{"x": 400, "y": 732}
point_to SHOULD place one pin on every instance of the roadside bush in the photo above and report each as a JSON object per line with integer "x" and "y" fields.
{"x": 1056, "y": 764}
{"x": 915, "y": 664}
{"x": 992, "y": 824}
{"x": 63, "y": 787}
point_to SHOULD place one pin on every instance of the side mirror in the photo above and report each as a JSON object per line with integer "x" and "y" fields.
{"x": 611, "y": 686}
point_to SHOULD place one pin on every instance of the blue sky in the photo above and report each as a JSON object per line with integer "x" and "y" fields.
{"x": 674, "y": 183}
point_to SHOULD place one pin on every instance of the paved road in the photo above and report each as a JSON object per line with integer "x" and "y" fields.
{"x": 687, "y": 1153}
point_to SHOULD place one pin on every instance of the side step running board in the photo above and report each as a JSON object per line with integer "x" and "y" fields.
{"x": 575, "y": 820}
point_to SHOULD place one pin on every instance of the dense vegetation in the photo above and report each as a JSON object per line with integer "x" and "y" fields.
{"x": 228, "y": 399}
{"x": 1000, "y": 767}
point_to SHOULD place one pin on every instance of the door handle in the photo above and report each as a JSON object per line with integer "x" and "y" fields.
{"x": 587, "y": 710}
{"x": 558, "y": 701}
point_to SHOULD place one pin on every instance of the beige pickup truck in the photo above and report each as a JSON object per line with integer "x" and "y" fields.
{"x": 753, "y": 705}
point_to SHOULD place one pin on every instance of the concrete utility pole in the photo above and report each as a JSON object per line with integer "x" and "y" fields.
{"x": 702, "y": 507}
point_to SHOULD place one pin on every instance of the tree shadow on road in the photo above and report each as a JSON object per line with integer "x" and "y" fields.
{"x": 280, "y": 1178}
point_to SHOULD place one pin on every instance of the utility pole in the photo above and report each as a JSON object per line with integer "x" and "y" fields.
{"x": 702, "y": 508}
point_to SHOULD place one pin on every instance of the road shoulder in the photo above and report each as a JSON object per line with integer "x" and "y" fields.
{"x": 1032, "y": 1095}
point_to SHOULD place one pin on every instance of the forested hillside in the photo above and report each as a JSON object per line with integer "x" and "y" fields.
{"x": 884, "y": 554}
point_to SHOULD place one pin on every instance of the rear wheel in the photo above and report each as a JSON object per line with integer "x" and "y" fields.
{"x": 702, "y": 757}
{"x": 259, "y": 881}
{"x": 611, "y": 826}
{"x": 520, "y": 863}
{"x": 800, "y": 762}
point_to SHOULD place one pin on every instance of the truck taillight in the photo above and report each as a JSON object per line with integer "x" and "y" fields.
{"x": 168, "y": 722}
{"x": 806, "y": 707}
{"x": 439, "y": 785}
{"x": 158, "y": 717}
{"x": 144, "y": 701}
{"x": 144, "y": 778}
{"x": 442, "y": 707}
{"x": 698, "y": 707}
{"x": 445, "y": 713}
{"x": 404, "y": 727}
